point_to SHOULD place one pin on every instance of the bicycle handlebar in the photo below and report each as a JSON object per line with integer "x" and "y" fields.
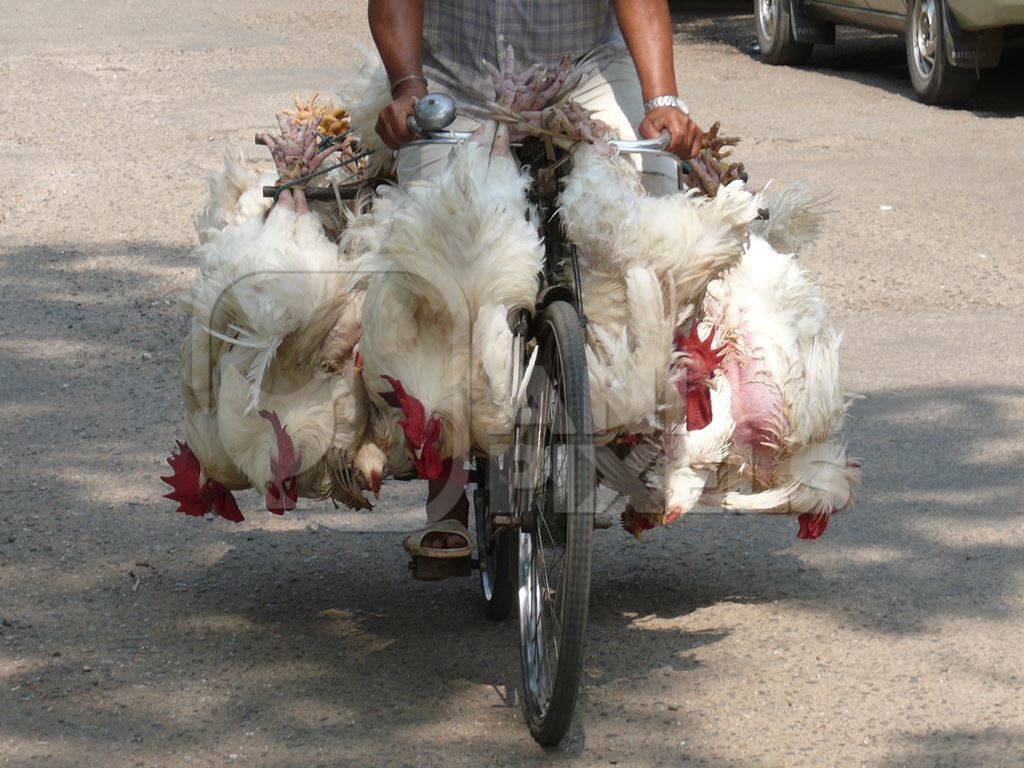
{"x": 436, "y": 111}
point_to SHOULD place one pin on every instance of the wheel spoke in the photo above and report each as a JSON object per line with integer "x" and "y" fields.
{"x": 547, "y": 592}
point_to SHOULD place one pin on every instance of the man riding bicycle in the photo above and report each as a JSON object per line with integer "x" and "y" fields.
{"x": 425, "y": 44}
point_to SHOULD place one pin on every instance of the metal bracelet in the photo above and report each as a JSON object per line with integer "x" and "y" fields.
{"x": 667, "y": 100}
{"x": 406, "y": 79}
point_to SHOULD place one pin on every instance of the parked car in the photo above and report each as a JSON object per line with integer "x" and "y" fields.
{"x": 948, "y": 42}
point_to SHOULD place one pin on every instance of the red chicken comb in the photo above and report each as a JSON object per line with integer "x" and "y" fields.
{"x": 184, "y": 481}
{"x": 283, "y": 494}
{"x": 700, "y": 361}
{"x": 812, "y": 525}
{"x": 193, "y": 499}
{"x": 415, "y": 414}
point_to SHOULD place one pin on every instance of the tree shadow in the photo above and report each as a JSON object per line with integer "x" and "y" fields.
{"x": 306, "y": 621}
{"x": 952, "y": 748}
{"x": 869, "y": 58}
{"x": 176, "y": 634}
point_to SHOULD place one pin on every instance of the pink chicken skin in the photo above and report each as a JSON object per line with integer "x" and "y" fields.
{"x": 756, "y": 407}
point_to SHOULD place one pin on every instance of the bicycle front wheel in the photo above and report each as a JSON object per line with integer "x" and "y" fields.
{"x": 557, "y": 500}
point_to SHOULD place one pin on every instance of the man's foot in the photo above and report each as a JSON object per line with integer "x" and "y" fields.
{"x": 450, "y": 540}
{"x": 448, "y": 493}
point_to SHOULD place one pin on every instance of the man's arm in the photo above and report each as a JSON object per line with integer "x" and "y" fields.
{"x": 397, "y": 29}
{"x": 647, "y": 28}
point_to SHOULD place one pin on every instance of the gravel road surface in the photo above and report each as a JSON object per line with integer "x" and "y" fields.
{"x": 134, "y": 637}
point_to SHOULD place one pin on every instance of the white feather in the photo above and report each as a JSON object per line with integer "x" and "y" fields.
{"x": 235, "y": 194}
{"x": 365, "y": 93}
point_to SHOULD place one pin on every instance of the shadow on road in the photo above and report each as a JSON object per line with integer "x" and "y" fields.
{"x": 869, "y": 58}
{"x": 952, "y": 748}
{"x": 316, "y": 638}
{"x": 319, "y": 637}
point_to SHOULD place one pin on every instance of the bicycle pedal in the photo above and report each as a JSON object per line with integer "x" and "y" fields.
{"x": 438, "y": 568}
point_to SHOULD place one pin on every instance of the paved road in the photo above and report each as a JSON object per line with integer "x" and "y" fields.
{"x": 133, "y": 637}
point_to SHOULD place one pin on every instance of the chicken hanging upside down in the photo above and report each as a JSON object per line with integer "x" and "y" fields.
{"x": 776, "y": 405}
{"x": 449, "y": 261}
{"x": 274, "y": 399}
{"x": 733, "y": 325}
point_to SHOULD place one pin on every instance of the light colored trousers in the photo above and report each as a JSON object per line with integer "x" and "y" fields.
{"x": 612, "y": 94}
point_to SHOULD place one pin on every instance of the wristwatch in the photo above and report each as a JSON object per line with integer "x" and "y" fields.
{"x": 666, "y": 101}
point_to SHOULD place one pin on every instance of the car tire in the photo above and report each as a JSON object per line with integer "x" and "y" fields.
{"x": 934, "y": 79}
{"x": 773, "y": 24}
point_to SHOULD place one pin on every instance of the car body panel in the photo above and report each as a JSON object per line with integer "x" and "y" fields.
{"x": 971, "y": 15}
{"x": 857, "y": 16}
{"x": 898, "y": 7}
{"x": 974, "y": 15}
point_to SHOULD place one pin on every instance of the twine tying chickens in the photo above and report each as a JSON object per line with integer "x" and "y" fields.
{"x": 333, "y": 347}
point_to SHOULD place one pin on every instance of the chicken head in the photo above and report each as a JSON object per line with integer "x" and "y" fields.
{"x": 699, "y": 361}
{"x": 422, "y": 432}
{"x": 283, "y": 493}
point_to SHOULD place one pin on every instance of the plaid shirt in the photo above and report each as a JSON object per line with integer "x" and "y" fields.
{"x": 457, "y": 34}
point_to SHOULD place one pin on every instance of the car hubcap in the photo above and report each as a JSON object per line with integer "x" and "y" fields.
{"x": 925, "y": 34}
{"x": 767, "y": 17}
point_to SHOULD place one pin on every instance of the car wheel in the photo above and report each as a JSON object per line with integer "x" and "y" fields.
{"x": 774, "y": 27}
{"x": 935, "y": 80}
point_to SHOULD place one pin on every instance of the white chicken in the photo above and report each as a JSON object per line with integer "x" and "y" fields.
{"x": 647, "y": 261}
{"x": 694, "y": 441}
{"x": 273, "y": 394}
{"x": 452, "y": 258}
{"x": 781, "y": 365}
{"x": 776, "y": 405}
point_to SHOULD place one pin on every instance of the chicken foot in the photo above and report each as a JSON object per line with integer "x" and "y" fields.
{"x": 296, "y": 154}
{"x": 709, "y": 168}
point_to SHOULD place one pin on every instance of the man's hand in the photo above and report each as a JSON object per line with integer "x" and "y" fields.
{"x": 393, "y": 120}
{"x": 686, "y": 134}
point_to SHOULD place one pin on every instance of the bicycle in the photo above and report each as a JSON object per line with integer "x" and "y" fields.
{"x": 534, "y": 506}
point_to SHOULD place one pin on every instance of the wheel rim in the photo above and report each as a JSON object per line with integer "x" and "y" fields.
{"x": 541, "y": 544}
{"x": 924, "y": 36}
{"x": 768, "y": 18}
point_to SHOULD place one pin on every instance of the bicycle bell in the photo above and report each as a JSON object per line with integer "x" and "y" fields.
{"x": 434, "y": 112}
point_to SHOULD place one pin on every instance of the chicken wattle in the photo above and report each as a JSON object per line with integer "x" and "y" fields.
{"x": 811, "y": 525}
{"x": 282, "y": 493}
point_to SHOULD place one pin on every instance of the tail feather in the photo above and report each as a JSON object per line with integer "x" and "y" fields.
{"x": 773, "y": 501}
{"x": 823, "y": 478}
{"x": 795, "y": 217}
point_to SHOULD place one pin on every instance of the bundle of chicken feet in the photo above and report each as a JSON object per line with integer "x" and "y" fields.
{"x": 334, "y": 347}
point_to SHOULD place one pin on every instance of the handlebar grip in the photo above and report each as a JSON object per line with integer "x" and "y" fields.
{"x": 659, "y": 144}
